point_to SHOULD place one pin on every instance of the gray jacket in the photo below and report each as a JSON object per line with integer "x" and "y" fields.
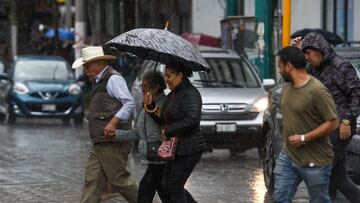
{"x": 144, "y": 125}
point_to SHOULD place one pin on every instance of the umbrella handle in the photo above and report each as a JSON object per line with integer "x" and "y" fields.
{"x": 167, "y": 24}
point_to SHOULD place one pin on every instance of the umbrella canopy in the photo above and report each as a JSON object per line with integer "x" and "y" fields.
{"x": 331, "y": 37}
{"x": 201, "y": 39}
{"x": 64, "y": 34}
{"x": 159, "y": 45}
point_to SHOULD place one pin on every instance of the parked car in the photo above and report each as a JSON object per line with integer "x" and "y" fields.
{"x": 5, "y": 88}
{"x": 272, "y": 130}
{"x": 45, "y": 86}
{"x": 234, "y": 99}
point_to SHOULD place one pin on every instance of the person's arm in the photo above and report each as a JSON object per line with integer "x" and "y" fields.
{"x": 126, "y": 135}
{"x": 118, "y": 89}
{"x": 151, "y": 108}
{"x": 323, "y": 130}
{"x": 349, "y": 85}
{"x": 191, "y": 105}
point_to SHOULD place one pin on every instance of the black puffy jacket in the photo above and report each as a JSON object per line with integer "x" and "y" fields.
{"x": 181, "y": 114}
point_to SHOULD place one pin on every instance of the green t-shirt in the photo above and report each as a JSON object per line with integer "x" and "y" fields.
{"x": 304, "y": 109}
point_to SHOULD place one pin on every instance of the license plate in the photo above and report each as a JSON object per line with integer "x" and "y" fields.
{"x": 226, "y": 127}
{"x": 49, "y": 107}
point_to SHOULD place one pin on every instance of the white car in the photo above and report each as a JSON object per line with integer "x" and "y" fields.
{"x": 234, "y": 99}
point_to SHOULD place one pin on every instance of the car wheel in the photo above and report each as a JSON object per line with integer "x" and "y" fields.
{"x": 2, "y": 118}
{"x": 11, "y": 118}
{"x": 268, "y": 162}
{"x": 79, "y": 119}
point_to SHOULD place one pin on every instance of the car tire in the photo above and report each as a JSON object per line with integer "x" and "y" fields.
{"x": 2, "y": 118}
{"x": 268, "y": 161}
{"x": 12, "y": 118}
{"x": 79, "y": 119}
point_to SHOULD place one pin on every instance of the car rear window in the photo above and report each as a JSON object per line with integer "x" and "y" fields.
{"x": 42, "y": 70}
{"x": 226, "y": 73}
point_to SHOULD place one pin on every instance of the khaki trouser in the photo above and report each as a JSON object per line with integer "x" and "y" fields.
{"x": 108, "y": 160}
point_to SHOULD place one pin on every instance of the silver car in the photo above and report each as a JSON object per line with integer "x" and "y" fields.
{"x": 234, "y": 99}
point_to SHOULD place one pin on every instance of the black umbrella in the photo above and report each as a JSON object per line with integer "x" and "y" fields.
{"x": 159, "y": 45}
{"x": 331, "y": 37}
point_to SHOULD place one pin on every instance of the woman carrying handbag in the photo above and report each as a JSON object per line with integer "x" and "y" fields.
{"x": 180, "y": 118}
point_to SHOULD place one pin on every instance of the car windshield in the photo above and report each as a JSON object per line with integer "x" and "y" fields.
{"x": 42, "y": 70}
{"x": 226, "y": 73}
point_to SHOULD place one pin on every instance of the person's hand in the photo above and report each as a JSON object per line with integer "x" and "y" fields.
{"x": 344, "y": 131}
{"x": 296, "y": 42}
{"x": 109, "y": 130}
{"x": 295, "y": 140}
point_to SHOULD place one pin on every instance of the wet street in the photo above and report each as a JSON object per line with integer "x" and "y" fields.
{"x": 44, "y": 161}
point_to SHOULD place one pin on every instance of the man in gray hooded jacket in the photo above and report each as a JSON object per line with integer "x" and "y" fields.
{"x": 340, "y": 77}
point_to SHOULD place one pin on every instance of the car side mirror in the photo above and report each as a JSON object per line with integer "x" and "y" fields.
{"x": 4, "y": 76}
{"x": 268, "y": 84}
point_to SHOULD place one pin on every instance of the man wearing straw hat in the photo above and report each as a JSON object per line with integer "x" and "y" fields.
{"x": 110, "y": 108}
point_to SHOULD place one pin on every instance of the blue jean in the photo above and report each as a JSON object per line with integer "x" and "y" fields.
{"x": 288, "y": 175}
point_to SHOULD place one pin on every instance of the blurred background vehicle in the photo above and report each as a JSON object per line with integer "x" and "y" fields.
{"x": 234, "y": 99}
{"x": 45, "y": 86}
{"x": 272, "y": 130}
{"x": 5, "y": 89}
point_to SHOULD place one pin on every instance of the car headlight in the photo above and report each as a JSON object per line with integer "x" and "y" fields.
{"x": 20, "y": 88}
{"x": 260, "y": 105}
{"x": 74, "y": 89}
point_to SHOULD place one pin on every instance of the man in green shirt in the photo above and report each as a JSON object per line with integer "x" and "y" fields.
{"x": 309, "y": 116}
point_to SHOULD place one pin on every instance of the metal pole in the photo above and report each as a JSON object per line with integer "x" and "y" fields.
{"x": 264, "y": 18}
{"x": 68, "y": 14}
{"x": 79, "y": 32}
{"x": 325, "y": 13}
{"x": 286, "y": 27}
{"x": 13, "y": 28}
{"x": 137, "y": 21}
{"x": 122, "y": 16}
{"x": 335, "y": 16}
{"x": 346, "y": 4}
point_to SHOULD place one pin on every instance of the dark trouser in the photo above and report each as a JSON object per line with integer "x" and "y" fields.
{"x": 176, "y": 174}
{"x": 339, "y": 178}
{"x": 150, "y": 183}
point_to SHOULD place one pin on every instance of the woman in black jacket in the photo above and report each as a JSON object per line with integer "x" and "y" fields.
{"x": 180, "y": 116}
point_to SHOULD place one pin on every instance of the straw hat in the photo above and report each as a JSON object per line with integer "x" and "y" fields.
{"x": 90, "y": 54}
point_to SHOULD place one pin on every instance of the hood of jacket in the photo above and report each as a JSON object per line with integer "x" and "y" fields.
{"x": 317, "y": 41}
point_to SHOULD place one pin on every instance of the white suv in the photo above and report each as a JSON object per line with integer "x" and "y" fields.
{"x": 234, "y": 99}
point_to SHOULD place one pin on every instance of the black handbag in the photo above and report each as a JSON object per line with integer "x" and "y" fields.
{"x": 151, "y": 147}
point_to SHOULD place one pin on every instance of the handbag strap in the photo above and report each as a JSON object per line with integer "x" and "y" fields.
{"x": 145, "y": 127}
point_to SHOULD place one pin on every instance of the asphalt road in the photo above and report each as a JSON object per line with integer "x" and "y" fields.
{"x": 42, "y": 160}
